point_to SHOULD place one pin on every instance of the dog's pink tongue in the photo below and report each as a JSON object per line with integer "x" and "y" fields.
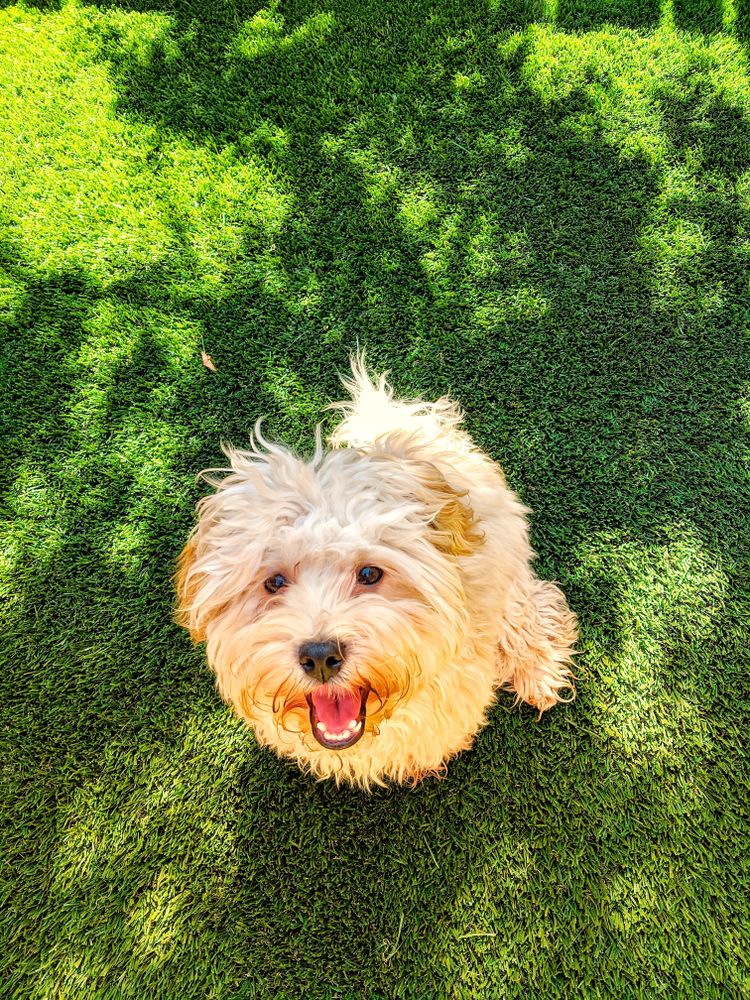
{"x": 335, "y": 710}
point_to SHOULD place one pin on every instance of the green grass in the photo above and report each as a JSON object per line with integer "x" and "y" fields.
{"x": 541, "y": 207}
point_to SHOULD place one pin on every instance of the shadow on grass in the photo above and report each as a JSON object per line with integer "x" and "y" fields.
{"x": 591, "y": 14}
{"x": 479, "y": 240}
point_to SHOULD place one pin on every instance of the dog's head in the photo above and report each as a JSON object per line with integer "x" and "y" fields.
{"x": 327, "y": 591}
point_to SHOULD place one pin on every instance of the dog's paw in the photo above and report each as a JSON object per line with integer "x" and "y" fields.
{"x": 536, "y": 653}
{"x": 544, "y": 696}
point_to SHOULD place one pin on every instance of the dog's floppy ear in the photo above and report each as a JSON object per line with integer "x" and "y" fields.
{"x": 454, "y": 525}
{"x": 188, "y": 585}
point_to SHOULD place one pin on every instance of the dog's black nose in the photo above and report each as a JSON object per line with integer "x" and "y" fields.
{"x": 321, "y": 659}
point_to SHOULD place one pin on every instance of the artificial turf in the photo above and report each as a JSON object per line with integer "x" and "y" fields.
{"x": 539, "y": 207}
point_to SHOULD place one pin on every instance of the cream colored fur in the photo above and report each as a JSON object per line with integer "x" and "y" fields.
{"x": 457, "y": 615}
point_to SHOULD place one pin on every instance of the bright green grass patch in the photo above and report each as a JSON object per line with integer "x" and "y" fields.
{"x": 540, "y": 207}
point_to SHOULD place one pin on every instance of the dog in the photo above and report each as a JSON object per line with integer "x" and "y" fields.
{"x": 362, "y": 608}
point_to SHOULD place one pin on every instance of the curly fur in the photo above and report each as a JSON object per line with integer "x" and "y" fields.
{"x": 457, "y": 615}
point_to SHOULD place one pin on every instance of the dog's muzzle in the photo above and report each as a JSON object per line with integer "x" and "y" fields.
{"x": 337, "y": 716}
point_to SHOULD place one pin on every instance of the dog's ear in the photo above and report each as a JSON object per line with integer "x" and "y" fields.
{"x": 454, "y": 525}
{"x": 188, "y": 584}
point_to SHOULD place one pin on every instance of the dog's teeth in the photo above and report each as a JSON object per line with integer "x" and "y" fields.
{"x": 343, "y": 736}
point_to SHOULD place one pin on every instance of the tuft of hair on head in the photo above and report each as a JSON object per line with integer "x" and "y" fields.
{"x": 369, "y": 395}
{"x": 373, "y": 413}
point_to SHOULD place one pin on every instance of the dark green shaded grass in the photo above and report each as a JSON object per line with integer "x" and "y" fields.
{"x": 540, "y": 208}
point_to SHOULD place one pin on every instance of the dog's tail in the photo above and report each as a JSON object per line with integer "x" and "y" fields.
{"x": 372, "y": 414}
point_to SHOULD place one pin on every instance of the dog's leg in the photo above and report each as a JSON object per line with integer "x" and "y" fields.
{"x": 536, "y": 645}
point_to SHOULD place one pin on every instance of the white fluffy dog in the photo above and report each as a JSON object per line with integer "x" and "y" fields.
{"x": 361, "y": 608}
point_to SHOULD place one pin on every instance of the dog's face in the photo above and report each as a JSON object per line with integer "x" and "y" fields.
{"x": 327, "y": 591}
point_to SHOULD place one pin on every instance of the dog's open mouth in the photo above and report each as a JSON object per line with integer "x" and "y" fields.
{"x": 337, "y": 717}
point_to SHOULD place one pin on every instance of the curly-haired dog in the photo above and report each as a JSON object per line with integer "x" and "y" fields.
{"x": 361, "y": 608}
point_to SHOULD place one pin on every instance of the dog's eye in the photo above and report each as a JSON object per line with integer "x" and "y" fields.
{"x": 274, "y": 583}
{"x": 369, "y": 575}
